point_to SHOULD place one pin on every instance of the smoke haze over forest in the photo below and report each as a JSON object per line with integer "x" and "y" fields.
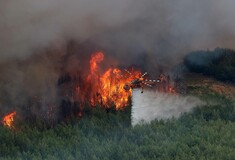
{"x": 35, "y": 39}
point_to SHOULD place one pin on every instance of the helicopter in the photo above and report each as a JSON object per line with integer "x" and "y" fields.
{"x": 140, "y": 82}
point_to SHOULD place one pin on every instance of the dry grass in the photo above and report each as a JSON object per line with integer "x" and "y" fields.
{"x": 199, "y": 80}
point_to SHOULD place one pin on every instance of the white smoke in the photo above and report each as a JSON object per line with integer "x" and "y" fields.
{"x": 152, "y": 105}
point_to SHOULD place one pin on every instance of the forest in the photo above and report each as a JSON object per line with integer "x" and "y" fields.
{"x": 207, "y": 132}
{"x": 219, "y": 63}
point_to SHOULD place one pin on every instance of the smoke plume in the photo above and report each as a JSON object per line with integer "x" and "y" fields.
{"x": 163, "y": 30}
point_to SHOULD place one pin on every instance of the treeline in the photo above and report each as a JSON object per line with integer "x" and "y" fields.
{"x": 206, "y": 133}
{"x": 219, "y": 63}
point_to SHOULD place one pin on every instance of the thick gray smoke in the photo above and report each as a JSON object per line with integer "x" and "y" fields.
{"x": 152, "y": 105}
{"x": 154, "y": 34}
{"x": 29, "y": 86}
{"x": 161, "y": 29}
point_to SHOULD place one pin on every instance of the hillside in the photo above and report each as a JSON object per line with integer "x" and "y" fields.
{"x": 218, "y": 63}
{"x": 205, "y": 133}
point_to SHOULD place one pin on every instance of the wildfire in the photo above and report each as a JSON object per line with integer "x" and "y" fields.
{"x": 95, "y": 59}
{"x": 107, "y": 87}
{"x": 113, "y": 86}
{"x": 9, "y": 119}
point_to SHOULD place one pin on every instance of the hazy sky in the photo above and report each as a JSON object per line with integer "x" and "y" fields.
{"x": 158, "y": 27}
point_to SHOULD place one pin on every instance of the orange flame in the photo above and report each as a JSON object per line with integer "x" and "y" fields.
{"x": 112, "y": 86}
{"x": 107, "y": 88}
{"x": 95, "y": 59}
{"x": 9, "y": 119}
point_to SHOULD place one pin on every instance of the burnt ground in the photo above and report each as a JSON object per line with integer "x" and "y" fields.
{"x": 201, "y": 84}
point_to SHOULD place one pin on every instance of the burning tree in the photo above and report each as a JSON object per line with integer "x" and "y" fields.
{"x": 110, "y": 87}
{"x": 105, "y": 88}
{"x": 9, "y": 119}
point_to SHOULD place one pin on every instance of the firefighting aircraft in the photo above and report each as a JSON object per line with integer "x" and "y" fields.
{"x": 140, "y": 82}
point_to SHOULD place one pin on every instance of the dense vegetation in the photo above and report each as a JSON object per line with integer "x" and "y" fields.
{"x": 219, "y": 63}
{"x": 206, "y": 133}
